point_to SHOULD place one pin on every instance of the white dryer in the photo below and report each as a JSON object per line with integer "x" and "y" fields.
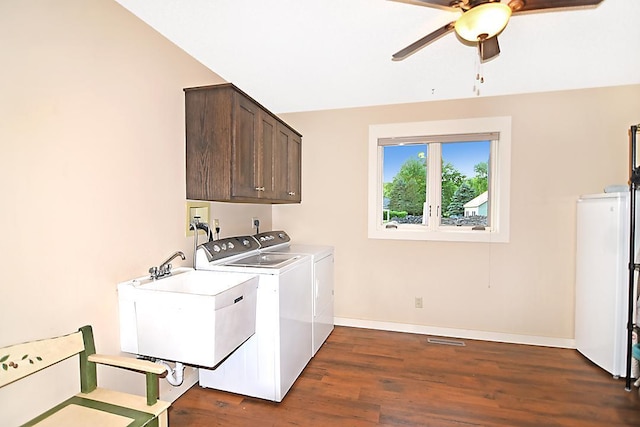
{"x": 322, "y": 294}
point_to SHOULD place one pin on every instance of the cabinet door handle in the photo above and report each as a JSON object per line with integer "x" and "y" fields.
{"x": 259, "y": 188}
{"x": 292, "y": 193}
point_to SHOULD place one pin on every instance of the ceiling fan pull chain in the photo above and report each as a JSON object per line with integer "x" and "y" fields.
{"x": 479, "y": 78}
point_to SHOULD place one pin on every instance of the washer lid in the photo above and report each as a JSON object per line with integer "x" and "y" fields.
{"x": 265, "y": 260}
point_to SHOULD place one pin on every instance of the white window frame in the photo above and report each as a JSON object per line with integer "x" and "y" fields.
{"x": 500, "y": 178}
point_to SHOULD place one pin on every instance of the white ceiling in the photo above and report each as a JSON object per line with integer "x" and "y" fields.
{"x": 302, "y": 55}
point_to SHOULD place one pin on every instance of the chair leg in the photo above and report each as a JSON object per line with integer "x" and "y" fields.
{"x": 163, "y": 419}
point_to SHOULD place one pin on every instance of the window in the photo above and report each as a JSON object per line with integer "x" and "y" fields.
{"x": 440, "y": 180}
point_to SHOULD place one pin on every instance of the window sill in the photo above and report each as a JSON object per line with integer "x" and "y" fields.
{"x": 418, "y": 232}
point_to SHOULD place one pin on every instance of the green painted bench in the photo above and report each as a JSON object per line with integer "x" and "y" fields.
{"x": 93, "y": 406}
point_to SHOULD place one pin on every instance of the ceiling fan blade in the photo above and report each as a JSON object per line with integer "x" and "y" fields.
{"x": 416, "y": 46}
{"x": 488, "y": 48}
{"x": 440, "y": 4}
{"x": 529, "y": 5}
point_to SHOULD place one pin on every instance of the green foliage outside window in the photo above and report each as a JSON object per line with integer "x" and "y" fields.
{"x": 452, "y": 179}
{"x": 480, "y": 182}
{"x": 407, "y": 191}
{"x": 463, "y": 194}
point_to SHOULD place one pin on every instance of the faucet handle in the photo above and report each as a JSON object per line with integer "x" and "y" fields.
{"x": 154, "y": 272}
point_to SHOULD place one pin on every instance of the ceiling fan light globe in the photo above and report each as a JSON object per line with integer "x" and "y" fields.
{"x": 487, "y": 19}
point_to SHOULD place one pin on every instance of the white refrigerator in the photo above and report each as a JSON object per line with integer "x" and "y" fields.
{"x": 602, "y": 280}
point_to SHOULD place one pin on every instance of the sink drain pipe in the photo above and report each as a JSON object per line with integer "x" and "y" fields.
{"x": 175, "y": 376}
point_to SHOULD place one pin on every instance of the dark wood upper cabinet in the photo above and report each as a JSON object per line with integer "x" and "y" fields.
{"x": 237, "y": 151}
{"x": 289, "y": 176}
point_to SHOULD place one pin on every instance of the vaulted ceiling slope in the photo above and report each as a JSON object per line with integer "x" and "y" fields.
{"x": 304, "y": 55}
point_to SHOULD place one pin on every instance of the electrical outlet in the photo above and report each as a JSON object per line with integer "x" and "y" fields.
{"x": 255, "y": 222}
{"x": 216, "y": 223}
{"x": 418, "y": 302}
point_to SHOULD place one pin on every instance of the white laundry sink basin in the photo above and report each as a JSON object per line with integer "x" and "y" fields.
{"x": 193, "y": 316}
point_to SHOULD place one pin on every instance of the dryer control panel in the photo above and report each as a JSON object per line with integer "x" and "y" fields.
{"x": 269, "y": 239}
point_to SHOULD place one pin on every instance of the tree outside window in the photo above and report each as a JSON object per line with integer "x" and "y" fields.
{"x": 408, "y": 190}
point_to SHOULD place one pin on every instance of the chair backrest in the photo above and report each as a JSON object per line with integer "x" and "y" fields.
{"x": 20, "y": 360}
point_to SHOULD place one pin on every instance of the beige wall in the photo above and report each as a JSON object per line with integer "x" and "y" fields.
{"x": 563, "y": 144}
{"x": 92, "y": 181}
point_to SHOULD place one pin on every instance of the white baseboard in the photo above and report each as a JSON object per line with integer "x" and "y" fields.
{"x": 457, "y": 333}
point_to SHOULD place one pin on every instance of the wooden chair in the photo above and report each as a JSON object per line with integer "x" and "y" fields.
{"x": 93, "y": 406}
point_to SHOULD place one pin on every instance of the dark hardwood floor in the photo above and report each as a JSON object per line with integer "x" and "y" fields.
{"x": 364, "y": 377}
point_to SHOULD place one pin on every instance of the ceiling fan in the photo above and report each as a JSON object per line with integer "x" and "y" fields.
{"x": 482, "y": 20}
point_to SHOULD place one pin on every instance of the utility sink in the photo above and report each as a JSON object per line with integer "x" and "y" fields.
{"x": 192, "y": 316}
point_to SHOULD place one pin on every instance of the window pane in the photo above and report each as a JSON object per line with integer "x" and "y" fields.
{"x": 404, "y": 183}
{"x": 465, "y": 183}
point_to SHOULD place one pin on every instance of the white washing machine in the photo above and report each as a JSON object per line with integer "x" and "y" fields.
{"x": 269, "y": 362}
{"x": 322, "y": 276}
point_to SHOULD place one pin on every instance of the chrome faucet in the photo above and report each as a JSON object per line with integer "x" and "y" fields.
{"x": 164, "y": 269}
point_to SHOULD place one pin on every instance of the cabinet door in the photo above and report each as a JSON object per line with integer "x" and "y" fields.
{"x": 294, "y": 169}
{"x": 245, "y": 180}
{"x": 208, "y": 144}
{"x": 268, "y": 150}
{"x": 281, "y": 161}
{"x": 289, "y": 161}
